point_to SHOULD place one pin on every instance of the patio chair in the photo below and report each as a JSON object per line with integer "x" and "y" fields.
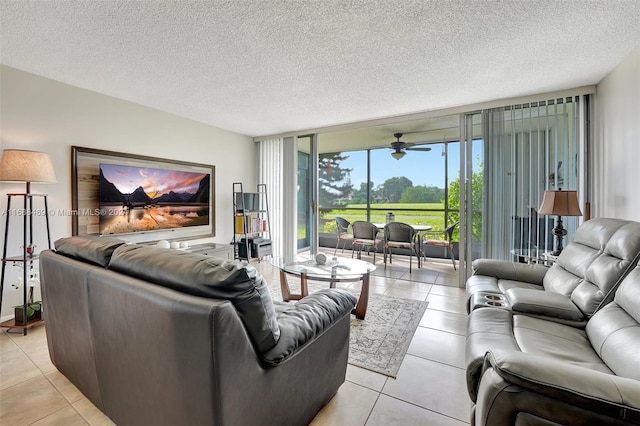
{"x": 364, "y": 236}
{"x": 343, "y": 233}
{"x": 400, "y": 235}
{"x": 445, "y": 241}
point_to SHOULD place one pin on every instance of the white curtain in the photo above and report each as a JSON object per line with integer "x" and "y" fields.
{"x": 271, "y": 173}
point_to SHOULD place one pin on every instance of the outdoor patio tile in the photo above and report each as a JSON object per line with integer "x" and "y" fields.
{"x": 438, "y": 264}
{"x": 451, "y": 281}
{"x": 421, "y": 274}
{"x": 392, "y": 271}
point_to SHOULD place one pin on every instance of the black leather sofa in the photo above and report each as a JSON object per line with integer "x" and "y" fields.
{"x": 164, "y": 337}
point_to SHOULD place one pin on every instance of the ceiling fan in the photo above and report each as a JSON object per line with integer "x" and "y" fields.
{"x": 400, "y": 147}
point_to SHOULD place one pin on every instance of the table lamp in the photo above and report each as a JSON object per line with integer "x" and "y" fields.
{"x": 559, "y": 203}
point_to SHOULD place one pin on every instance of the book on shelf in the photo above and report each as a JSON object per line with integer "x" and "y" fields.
{"x": 239, "y": 225}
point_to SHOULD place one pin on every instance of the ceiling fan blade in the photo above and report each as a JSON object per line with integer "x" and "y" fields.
{"x": 399, "y": 145}
{"x": 417, "y": 143}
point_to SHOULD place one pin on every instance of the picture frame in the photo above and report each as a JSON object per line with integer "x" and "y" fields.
{"x": 89, "y": 214}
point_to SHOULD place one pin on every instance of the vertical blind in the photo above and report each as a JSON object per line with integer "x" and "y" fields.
{"x": 271, "y": 173}
{"x": 529, "y": 148}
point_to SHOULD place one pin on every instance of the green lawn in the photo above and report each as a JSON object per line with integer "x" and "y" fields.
{"x": 419, "y": 214}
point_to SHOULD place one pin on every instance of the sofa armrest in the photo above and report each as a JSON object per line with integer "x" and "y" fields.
{"x": 506, "y": 270}
{"x": 305, "y": 320}
{"x": 589, "y": 390}
{"x": 543, "y": 304}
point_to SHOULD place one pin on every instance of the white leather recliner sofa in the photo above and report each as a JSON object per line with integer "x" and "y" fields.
{"x": 562, "y": 348}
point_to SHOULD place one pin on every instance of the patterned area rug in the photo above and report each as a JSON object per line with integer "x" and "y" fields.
{"x": 380, "y": 341}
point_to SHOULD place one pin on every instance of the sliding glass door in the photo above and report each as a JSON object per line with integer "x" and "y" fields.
{"x": 471, "y": 193}
{"x": 306, "y": 210}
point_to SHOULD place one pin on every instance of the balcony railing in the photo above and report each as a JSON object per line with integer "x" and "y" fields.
{"x": 413, "y": 216}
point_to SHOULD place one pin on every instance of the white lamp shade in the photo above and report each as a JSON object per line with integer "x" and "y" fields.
{"x": 398, "y": 154}
{"x": 18, "y": 165}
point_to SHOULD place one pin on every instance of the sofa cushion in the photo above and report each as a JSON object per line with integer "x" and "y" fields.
{"x": 543, "y": 303}
{"x": 620, "y": 254}
{"x": 206, "y": 276}
{"x": 304, "y": 321}
{"x": 614, "y": 331}
{"x": 587, "y": 272}
{"x": 592, "y": 265}
{"x": 89, "y": 248}
{"x": 491, "y": 329}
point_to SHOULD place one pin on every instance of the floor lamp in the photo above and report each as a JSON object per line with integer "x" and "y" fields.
{"x": 19, "y": 165}
{"x": 559, "y": 203}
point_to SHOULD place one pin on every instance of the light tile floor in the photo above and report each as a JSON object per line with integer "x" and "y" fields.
{"x": 429, "y": 389}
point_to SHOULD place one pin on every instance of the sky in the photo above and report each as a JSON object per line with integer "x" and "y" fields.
{"x": 422, "y": 168}
{"x": 155, "y": 182}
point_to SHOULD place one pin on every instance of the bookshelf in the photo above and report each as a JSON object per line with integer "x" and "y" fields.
{"x": 251, "y": 236}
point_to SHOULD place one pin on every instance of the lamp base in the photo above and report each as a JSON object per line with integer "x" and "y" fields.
{"x": 559, "y": 232}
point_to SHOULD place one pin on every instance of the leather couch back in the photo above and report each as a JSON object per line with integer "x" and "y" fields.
{"x": 206, "y": 276}
{"x": 591, "y": 267}
{"x": 189, "y": 273}
{"x": 614, "y": 331}
{"x": 110, "y": 334}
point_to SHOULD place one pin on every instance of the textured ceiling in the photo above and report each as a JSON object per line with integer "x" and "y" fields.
{"x": 267, "y": 67}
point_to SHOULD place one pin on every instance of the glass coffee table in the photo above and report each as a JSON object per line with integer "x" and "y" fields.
{"x": 542, "y": 257}
{"x": 334, "y": 270}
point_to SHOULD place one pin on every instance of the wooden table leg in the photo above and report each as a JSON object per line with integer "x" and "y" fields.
{"x": 304, "y": 289}
{"x": 284, "y": 286}
{"x": 361, "y": 307}
{"x": 286, "y": 290}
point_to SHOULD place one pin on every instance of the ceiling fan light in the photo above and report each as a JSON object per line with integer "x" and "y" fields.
{"x": 398, "y": 154}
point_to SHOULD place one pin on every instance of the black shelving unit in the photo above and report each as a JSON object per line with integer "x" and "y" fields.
{"x": 251, "y": 233}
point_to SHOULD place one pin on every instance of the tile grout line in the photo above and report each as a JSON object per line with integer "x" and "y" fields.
{"x": 423, "y": 408}
{"x": 373, "y": 407}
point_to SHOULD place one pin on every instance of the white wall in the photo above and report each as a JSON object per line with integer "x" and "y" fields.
{"x": 616, "y": 154}
{"x": 44, "y": 115}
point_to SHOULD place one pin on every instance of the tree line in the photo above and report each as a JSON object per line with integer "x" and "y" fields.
{"x": 336, "y": 189}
